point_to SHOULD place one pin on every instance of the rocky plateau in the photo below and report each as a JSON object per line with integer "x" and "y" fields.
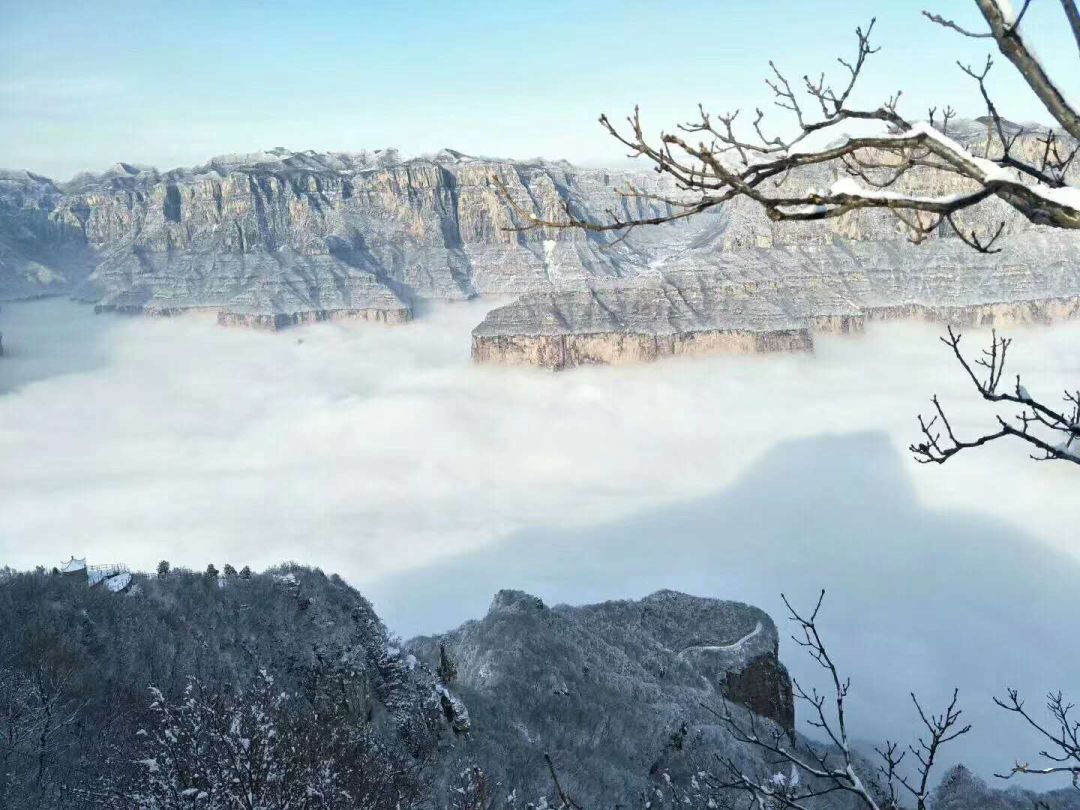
{"x": 278, "y": 238}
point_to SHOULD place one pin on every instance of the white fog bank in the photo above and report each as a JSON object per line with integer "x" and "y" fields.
{"x": 381, "y": 453}
{"x": 368, "y": 449}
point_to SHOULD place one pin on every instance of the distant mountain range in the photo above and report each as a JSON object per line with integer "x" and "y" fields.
{"x": 276, "y": 238}
{"x": 280, "y": 237}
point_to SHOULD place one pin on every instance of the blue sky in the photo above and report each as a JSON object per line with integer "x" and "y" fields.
{"x": 84, "y": 85}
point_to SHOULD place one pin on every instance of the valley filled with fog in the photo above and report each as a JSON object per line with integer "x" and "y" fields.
{"x": 383, "y": 454}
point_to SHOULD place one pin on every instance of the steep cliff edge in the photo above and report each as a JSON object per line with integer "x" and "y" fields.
{"x": 775, "y": 299}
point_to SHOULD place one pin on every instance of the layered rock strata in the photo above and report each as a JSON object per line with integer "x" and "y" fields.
{"x": 275, "y": 238}
{"x": 776, "y": 299}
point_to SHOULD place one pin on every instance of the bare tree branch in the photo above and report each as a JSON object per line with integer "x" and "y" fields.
{"x": 710, "y": 162}
{"x": 937, "y": 18}
{"x": 940, "y": 442}
{"x": 1064, "y": 737}
{"x": 819, "y": 771}
{"x": 1006, "y": 33}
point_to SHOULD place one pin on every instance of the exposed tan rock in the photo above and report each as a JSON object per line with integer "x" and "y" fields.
{"x": 776, "y": 299}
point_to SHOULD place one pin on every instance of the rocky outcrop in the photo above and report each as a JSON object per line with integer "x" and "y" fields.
{"x": 284, "y": 237}
{"x": 613, "y": 691}
{"x": 764, "y": 688}
{"x": 633, "y": 324}
{"x": 775, "y": 299}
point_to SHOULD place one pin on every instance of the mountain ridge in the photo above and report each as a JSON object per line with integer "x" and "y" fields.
{"x": 275, "y": 238}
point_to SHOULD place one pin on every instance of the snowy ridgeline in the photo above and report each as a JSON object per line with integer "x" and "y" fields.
{"x": 200, "y": 681}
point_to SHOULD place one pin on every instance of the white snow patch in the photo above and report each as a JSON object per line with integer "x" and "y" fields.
{"x": 119, "y": 582}
{"x": 847, "y": 185}
{"x": 46, "y": 276}
{"x": 96, "y": 576}
{"x": 725, "y": 647}
{"x": 551, "y": 261}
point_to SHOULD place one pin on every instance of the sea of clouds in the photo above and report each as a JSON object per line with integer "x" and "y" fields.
{"x": 384, "y": 455}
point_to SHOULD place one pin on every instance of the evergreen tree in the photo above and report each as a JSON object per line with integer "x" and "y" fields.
{"x": 211, "y": 571}
{"x": 447, "y": 670}
{"x": 163, "y": 569}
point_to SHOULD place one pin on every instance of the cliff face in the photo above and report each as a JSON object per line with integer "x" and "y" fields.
{"x": 39, "y": 254}
{"x": 613, "y": 691}
{"x": 775, "y": 299}
{"x": 282, "y": 237}
{"x": 748, "y": 285}
{"x": 279, "y": 238}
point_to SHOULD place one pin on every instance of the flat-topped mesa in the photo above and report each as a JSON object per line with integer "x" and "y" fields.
{"x": 765, "y": 300}
{"x": 632, "y": 324}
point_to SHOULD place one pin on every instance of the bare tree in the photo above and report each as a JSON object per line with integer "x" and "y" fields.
{"x": 1062, "y": 756}
{"x": 1054, "y": 433}
{"x": 258, "y": 749}
{"x": 824, "y": 770}
{"x": 35, "y": 712}
{"x": 713, "y": 158}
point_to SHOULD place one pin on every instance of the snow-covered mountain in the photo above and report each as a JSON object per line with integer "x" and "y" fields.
{"x": 276, "y": 237}
{"x": 279, "y": 237}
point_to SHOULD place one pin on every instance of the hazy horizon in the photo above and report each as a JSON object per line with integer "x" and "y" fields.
{"x": 181, "y": 84}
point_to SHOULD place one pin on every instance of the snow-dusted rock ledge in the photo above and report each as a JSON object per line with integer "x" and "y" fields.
{"x": 756, "y": 301}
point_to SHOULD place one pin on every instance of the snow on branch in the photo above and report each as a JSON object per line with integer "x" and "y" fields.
{"x": 1062, "y": 734}
{"x": 821, "y": 770}
{"x": 713, "y": 159}
{"x": 1053, "y": 432}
